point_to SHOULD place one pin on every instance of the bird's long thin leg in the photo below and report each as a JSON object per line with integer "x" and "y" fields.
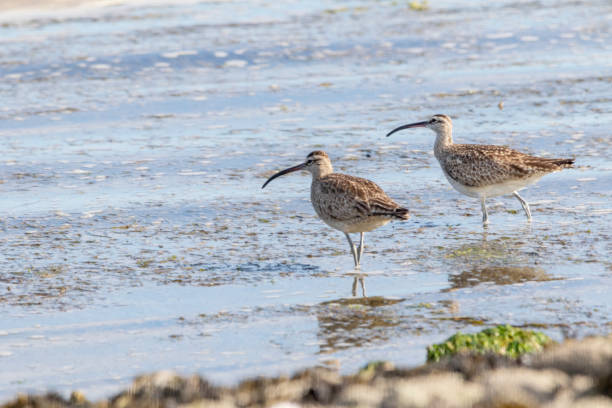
{"x": 485, "y": 214}
{"x": 524, "y": 204}
{"x": 360, "y": 247}
{"x": 353, "y": 250}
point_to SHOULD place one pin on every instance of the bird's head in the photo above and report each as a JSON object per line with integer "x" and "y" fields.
{"x": 438, "y": 123}
{"x": 317, "y": 163}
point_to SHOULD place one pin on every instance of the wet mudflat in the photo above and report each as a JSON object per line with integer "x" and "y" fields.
{"x": 135, "y": 235}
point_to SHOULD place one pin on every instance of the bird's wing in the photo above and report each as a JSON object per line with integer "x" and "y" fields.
{"x": 345, "y": 197}
{"x": 481, "y": 165}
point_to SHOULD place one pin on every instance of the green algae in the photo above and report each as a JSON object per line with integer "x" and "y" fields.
{"x": 504, "y": 339}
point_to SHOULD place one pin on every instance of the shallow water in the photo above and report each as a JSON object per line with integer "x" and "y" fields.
{"x": 135, "y": 235}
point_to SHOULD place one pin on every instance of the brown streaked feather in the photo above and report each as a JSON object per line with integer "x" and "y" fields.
{"x": 482, "y": 165}
{"x": 317, "y": 153}
{"x": 347, "y": 198}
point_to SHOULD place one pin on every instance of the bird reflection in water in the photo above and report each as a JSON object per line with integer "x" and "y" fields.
{"x": 356, "y": 322}
{"x": 361, "y": 279}
{"x": 498, "y": 275}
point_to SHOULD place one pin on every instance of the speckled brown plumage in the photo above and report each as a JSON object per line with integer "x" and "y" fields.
{"x": 480, "y": 165}
{"x": 351, "y": 200}
{"x": 346, "y": 203}
{"x": 483, "y": 171}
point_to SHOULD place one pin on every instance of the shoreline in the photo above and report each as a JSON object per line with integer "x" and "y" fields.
{"x": 572, "y": 373}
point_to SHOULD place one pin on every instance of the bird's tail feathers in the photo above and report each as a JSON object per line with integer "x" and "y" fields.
{"x": 399, "y": 213}
{"x": 564, "y": 163}
{"x": 402, "y": 213}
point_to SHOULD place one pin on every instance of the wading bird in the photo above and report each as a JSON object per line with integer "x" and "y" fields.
{"x": 483, "y": 171}
{"x": 346, "y": 203}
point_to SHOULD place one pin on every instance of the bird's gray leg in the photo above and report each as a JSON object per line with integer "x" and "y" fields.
{"x": 354, "y": 288}
{"x": 524, "y": 204}
{"x": 353, "y": 250}
{"x": 485, "y": 215}
{"x": 360, "y": 247}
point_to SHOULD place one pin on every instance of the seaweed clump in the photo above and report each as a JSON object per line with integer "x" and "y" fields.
{"x": 504, "y": 340}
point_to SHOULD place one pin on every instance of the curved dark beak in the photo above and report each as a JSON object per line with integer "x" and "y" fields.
{"x": 283, "y": 172}
{"x": 412, "y": 125}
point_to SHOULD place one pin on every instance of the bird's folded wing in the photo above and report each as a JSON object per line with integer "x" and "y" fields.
{"x": 481, "y": 165}
{"x": 345, "y": 197}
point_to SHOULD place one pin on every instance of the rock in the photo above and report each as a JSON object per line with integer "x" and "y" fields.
{"x": 522, "y": 386}
{"x": 590, "y": 356}
{"x": 317, "y": 385}
{"x": 49, "y": 400}
{"x": 163, "y": 388}
{"x": 373, "y": 369}
{"x": 361, "y": 395}
{"x": 435, "y": 390}
{"x": 78, "y": 398}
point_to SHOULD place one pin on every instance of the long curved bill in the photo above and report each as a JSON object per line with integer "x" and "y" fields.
{"x": 411, "y": 125}
{"x": 283, "y": 172}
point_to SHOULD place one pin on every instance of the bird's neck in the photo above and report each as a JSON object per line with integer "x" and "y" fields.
{"x": 322, "y": 170}
{"x": 444, "y": 140}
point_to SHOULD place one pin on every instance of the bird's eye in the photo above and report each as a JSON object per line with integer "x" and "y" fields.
{"x": 433, "y": 120}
